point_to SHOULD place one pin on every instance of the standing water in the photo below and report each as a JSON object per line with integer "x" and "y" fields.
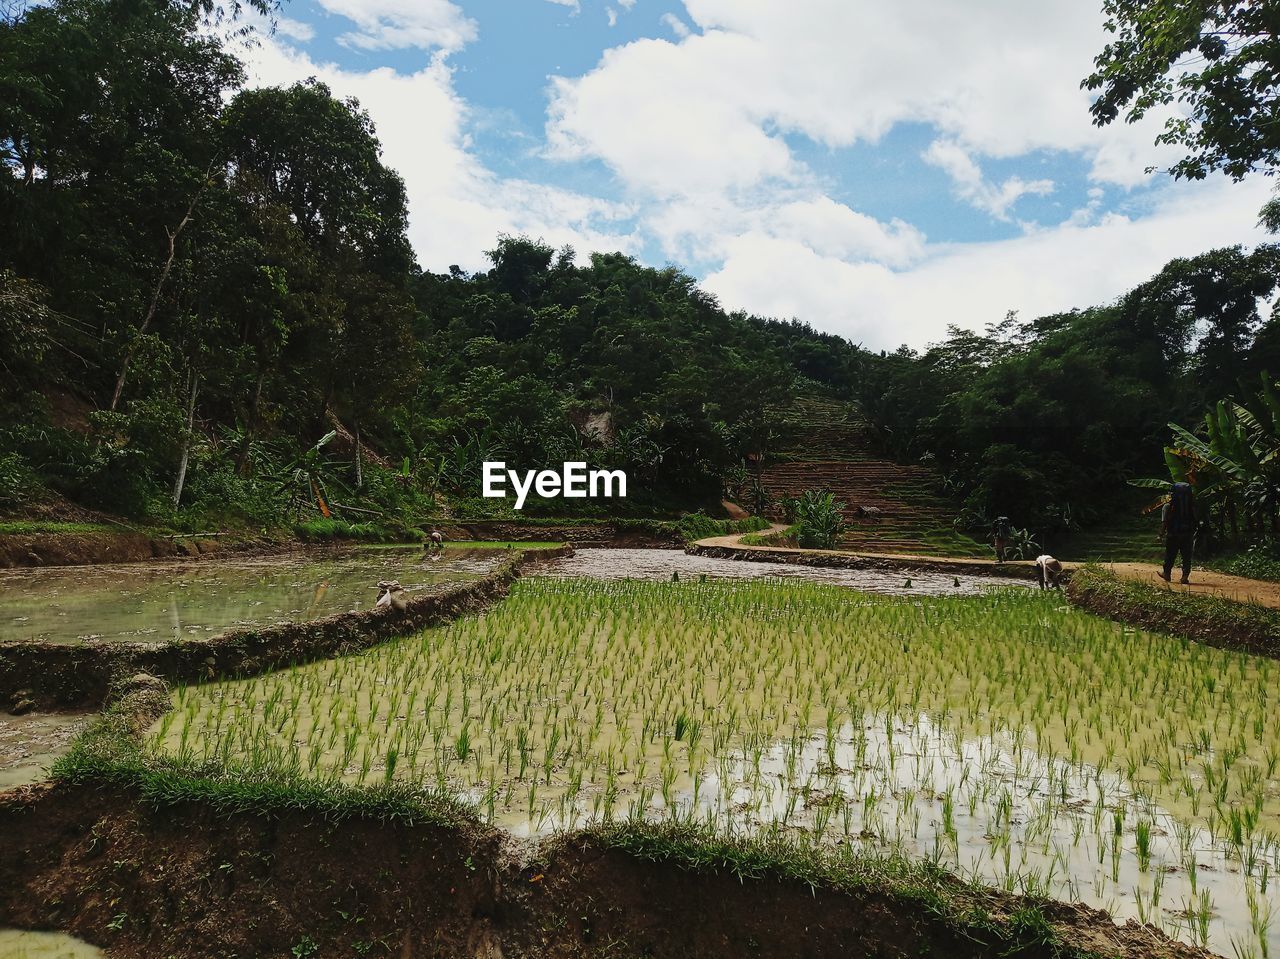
{"x": 156, "y": 602}
{"x": 665, "y": 564}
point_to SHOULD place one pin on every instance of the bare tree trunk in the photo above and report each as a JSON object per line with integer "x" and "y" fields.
{"x": 155, "y": 294}
{"x": 359, "y": 459}
{"x": 251, "y": 427}
{"x": 194, "y": 378}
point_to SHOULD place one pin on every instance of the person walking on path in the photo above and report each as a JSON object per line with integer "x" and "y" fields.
{"x": 1001, "y": 532}
{"x": 1178, "y": 527}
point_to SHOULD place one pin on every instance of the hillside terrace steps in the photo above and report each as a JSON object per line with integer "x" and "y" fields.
{"x": 827, "y": 445}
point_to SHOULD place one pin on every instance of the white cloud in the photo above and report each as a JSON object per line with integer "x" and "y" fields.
{"x": 612, "y": 15}
{"x": 997, "y": 79}
{"x": 675, "y": 25}
{"x": 295, "y": 29}
{"x": 970, "y": 185}
{"x": 666, "y": 122}
{"x": 975, "y": 283}
{"x": 457, "y": 207}
{"x": 397, "y": 24}
{"x": 696, "y": 132}
{"x": 705, "y": 230}
{"x": 572, "y": 4}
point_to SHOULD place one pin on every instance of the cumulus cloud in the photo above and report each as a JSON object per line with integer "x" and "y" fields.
{"x": 457, "y": 207}
{"x": 970, "y": 185}
{"x": 973, "y": 284}
{"x": 295, "y": 29}
{"x": 398, "y": 24}
{"x": 675, "y": 24}
{"x": 997, "y": 79}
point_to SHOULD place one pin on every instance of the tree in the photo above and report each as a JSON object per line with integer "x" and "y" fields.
{"x": 1234, "y": 464}
{"x": 1219, "y": 59}
{"x": 319, "y": 158}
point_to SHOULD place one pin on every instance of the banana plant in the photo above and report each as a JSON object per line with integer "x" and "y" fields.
{"x": 1234, "y": 465}
{"x": 308, "y": 478}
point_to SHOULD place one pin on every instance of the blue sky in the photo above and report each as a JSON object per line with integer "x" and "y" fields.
{"x": 880, "y": 171}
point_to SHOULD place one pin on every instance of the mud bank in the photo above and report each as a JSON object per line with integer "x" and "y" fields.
{"x": 187, "y": 880}
{"x": 627, "y": 533}
{"x": 46, "y": 675}
{"x": 82, "y": 549}
{"x": 873, "y": 561}
{"x": 1214, "y": 621}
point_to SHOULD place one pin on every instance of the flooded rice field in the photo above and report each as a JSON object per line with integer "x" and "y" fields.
{"x": 22, "y": 944}
{"x": 157, "y": 602}
{"x": 663, "y": 564}
{"x": 1003, "y": 735}
{"x": 29, "y": 745}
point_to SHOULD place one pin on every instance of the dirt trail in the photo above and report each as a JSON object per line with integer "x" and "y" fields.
{"x": 1203, "y": 582}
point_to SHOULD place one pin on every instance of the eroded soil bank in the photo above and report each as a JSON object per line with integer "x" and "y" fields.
{"x": 47, "y": 675}
{"x": 728, "y": 547}
{"x": 186, "y": 881}
{"x": 123, "y": 546}
{"x": 633, "y": 534}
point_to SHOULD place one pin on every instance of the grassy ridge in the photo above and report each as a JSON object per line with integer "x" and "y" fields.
{"x": 1209, "y": 619}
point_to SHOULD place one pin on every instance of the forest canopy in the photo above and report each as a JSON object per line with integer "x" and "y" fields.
{"x": 210, "y": 312}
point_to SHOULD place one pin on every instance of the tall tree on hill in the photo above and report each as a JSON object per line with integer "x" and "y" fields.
{"x": 108, "y": 114}
{"x": 301, "y": 151}
{"x": 320, "y": 159}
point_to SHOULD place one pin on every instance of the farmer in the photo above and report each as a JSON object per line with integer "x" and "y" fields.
{"x": 1048, "y": 571}
{"x": 1001, "y": 532}
{"x": 1178, "y": 527}
{"x": 435, "y": 541}
{"x": 391, "y": 595}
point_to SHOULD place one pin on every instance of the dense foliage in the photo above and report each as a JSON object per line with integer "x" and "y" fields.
{"x": 1044, "y": 421}
{"x": 1217, "y": 59}
{"x": 1234, "y": 465}
{"x": 210, "y": 311}
{"x": 209, "y": 307}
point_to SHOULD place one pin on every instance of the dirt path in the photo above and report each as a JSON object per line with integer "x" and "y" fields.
{"x": 1203, "y": 582}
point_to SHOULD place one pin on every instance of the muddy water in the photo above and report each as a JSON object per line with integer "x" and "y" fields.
{"x": 984, "y": 808}
{"x": 29, "y": 745}
{"x": 168, "y": 601}
{"x": 662, "y": 564}
{"x": 21, "y": 944}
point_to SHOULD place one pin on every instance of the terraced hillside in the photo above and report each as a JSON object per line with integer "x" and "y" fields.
{"x": 826, "y": 447}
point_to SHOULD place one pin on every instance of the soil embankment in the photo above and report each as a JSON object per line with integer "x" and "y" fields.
{"x": 46, "y": 675}
{"x": 82, "y": 548}
{"x": 732, "y": 547}
{"x": 620, "y": 533}
{"x": 187, "y": 880}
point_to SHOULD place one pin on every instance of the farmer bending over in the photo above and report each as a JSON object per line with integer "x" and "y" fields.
{"x": 435, "y": 541}
{"x": 1049, "y": 571}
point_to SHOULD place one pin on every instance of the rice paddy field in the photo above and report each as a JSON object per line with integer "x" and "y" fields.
{"x": 1003, "y": 735}
{"x": 168, "y": 601}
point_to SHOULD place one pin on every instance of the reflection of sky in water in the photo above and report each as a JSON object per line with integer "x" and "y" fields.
{"x": 983, "y": 807}
{"x": 660, "y": 564}
{"x": 163, "y": 601}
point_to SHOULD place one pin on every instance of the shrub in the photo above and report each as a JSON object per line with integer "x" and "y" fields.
{"x": 819, "y": 519}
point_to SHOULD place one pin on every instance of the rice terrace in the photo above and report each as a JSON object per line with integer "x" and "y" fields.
{"x": 401, "y": 556}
